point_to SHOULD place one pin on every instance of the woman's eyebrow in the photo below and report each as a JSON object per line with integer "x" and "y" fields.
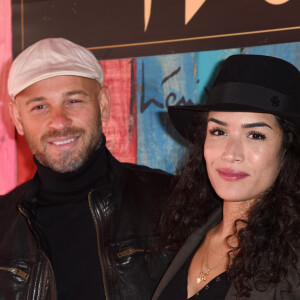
{"x": 217, "y": 121}
{"x": 258, "y": 124}
{"x": 248, "y": 125}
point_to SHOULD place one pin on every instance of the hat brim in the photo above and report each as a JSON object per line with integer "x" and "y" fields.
{"x": 183, "y": 116}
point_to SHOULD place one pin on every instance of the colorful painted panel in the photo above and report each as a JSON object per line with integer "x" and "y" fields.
{"x": 120, "y": 130}
{"x": 163, "y": 81}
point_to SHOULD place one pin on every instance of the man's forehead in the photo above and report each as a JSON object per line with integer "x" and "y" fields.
{"x": 62, "y": 86}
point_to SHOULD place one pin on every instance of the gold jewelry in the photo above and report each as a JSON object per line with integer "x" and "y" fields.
{"x": 209, "y": 247}
{"x": 204, "y": 274}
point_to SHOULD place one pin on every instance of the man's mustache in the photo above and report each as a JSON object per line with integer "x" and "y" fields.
{"x": 68, "y": 131}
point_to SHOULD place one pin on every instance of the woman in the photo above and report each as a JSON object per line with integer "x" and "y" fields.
{"x": 236, "y": 205}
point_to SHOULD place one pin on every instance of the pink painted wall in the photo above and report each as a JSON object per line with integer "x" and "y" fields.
{"x": 121, "y": 129}
{"x": 8, "y": 163}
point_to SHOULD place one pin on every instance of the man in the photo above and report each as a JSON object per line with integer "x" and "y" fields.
{"x": 84, "y": 226}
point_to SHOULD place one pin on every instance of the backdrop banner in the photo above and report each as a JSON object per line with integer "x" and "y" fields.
{"x": 132, "y": 28}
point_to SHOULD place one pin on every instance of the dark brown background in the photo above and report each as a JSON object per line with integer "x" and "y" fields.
{"x": 98, "y": 23}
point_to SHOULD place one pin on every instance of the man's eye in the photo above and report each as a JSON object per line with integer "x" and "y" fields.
{"x": 256, "y": 135}
{"x": 38, "y": 107}
{"x": 217, "y": 132}
{"x": 75, "y": 101}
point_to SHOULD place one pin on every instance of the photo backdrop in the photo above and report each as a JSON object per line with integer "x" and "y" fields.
{"x": 131, "y": 28}
{"x": 141, "y": 88}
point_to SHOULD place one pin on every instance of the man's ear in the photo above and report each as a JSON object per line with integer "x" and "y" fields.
{"x": 104, "y": 102}
{"x": 16, "y": 117}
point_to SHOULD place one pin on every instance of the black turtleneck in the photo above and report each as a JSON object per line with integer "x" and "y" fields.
{"x": 66, "y": 221}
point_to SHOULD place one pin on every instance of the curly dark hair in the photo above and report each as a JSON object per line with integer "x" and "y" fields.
{"x": 268, "y": 239}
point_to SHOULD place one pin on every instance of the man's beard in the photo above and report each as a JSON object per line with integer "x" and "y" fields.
{"x": 67, "y": 161}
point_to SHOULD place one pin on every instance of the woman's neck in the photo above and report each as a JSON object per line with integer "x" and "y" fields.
{"x": 233, "y": 211}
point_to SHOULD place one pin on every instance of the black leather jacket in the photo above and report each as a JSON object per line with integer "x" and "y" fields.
{"x": 125, "y": 213}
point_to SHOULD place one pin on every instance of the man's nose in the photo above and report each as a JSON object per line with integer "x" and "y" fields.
{"x": 233, "y": 150}
{"x": 59, "y": 119}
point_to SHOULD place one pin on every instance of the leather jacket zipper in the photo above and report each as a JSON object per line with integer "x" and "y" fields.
{"x": 128, "y": 252}
{"x": 98, "y": 246}
{"x": 43, "y": 296}
{"x": 43, "y": 292}
{"x": 16, "y": 271}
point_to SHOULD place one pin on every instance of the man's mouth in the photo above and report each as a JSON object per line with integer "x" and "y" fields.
{"x": 64, "y": 142}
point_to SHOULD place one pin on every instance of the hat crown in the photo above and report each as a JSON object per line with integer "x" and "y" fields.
{"x": 52, "y": 57}
{"x": 256, "y": 83}
{"x": 265, "y": 71}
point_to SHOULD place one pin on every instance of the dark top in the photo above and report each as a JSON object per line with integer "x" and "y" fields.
{"x": 66, "y": 221}
{"x": 216, "y": 289}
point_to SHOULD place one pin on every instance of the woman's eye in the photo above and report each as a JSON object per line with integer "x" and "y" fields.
{"x": 217, "y": 132}
{"x": 256, "y": 136}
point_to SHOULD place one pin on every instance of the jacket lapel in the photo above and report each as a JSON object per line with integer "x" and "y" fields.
{"x": 185, "y": 251}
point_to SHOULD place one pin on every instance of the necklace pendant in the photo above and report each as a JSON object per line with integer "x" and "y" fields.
{"x": 203, "y": 276}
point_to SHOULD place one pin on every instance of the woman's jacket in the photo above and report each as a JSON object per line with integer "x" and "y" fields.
{"x": 193, "y": 241}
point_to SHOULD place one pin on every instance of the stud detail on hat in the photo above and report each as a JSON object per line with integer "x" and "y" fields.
{"x": 275, "y": 101}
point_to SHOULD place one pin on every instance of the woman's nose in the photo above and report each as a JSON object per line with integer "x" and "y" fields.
{"x": 233, "y": 150}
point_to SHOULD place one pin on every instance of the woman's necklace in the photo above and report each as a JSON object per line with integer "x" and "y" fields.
{"x": 204, "y": 274}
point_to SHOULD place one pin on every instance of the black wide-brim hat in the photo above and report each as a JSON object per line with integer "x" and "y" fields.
{"x": 250, "y": 83}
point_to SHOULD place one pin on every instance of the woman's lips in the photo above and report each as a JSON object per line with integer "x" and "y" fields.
{"x": 231, "y": 174}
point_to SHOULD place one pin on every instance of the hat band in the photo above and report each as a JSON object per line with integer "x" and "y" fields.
{"x": 262, "y": 98}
